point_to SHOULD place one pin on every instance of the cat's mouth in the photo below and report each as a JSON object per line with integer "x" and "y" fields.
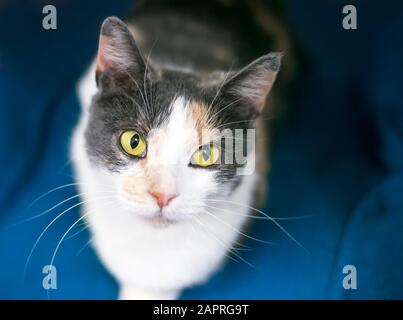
{"x": 160, "y": 220}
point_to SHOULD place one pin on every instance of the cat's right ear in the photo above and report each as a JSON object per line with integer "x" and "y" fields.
{"x": 118, "y": 58}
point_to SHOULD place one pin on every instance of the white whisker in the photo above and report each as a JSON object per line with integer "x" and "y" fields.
{"x": 48, "y": 226}
{"x": 84, "y": 246}
{"x": 236, "y": 230}
{"x": 257, "y": 217}
{"x": 270, "y": 218}
{"x": 65, "y": 234}
{"x": 138, "y": 88}
{"x": 61, "y": 187}
{"x": 52, "y": 208}
{"x": 70, "y": 228}
{"x": 85, "y": 227}
{"x": 225, "y": 246}
{"x": 145, "y": 74}
{"x": 225, "y": 107}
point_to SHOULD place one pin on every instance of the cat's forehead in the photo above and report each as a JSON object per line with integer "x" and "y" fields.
{"x": 150, "y": 104}
{"x": 188, "y": 122}
{"x": 179, "y": 135}
{"x": 154, "y": 108}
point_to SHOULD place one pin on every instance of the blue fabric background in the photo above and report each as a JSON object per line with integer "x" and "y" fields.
{"x": 338, "y": 158}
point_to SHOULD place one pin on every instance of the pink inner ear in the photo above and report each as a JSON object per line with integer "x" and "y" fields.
{"x": 102, "y": 61}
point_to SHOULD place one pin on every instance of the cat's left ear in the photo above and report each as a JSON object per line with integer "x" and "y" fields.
{"x": 253, "y": 83}
{"x": 118, "y": 56}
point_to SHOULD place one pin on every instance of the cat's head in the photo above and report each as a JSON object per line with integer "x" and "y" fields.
{"x": 157, "y": 134}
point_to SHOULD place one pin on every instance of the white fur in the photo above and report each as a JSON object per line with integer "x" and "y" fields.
{"x": 157, "y": 262}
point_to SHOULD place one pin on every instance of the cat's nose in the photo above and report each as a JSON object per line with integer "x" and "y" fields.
{"x": 163, "y": 198}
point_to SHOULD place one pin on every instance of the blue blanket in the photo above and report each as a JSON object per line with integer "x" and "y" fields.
{"x": 337, "y": 163}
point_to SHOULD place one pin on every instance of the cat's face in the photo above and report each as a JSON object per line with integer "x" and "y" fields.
{"x": 161, "y": 136}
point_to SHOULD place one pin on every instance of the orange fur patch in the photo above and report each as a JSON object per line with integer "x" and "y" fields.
{"x": 200, "y": 117}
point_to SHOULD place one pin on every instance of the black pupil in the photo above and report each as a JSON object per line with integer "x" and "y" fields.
{"x": 206, "y": 152}
{"x": 134, "y": 141}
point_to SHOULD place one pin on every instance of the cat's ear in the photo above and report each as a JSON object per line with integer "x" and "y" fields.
{"x": 253, "y": 83}
{"x": 118, "y": 56}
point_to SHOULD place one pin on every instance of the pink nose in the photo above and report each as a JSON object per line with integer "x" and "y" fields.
{"x": 163, "y": 198}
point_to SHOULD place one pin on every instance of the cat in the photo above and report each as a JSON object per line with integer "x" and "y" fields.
{"x": 162, "y": 206}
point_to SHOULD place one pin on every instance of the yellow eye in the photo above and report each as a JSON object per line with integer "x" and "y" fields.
{"x": 133, "y": 143}
{"x": 206, "y": 156}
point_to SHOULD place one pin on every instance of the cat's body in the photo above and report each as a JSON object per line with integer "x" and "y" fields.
{"x": 157, "y": 251}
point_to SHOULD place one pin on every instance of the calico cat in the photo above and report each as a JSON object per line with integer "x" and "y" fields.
{"x": 163, "y": 206}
